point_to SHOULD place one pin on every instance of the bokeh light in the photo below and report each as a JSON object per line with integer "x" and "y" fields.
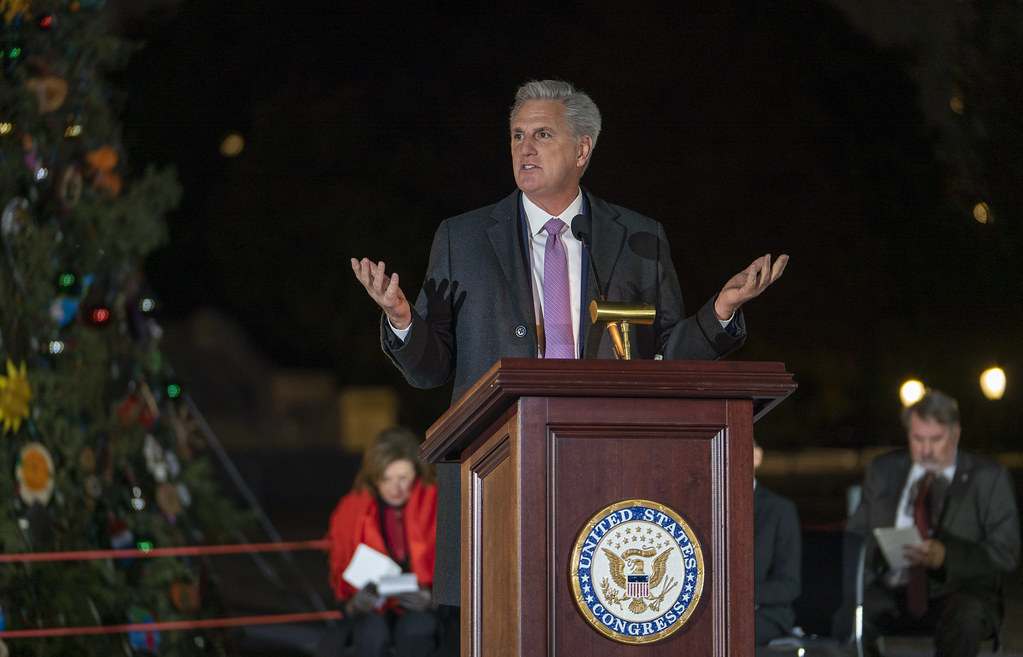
{"x": 992, "y": 383}
{"x": 982, "y": 213}
{"x": 956, "y": 104}
{"x": 911, "y": 391}
{"x": 232, "y": 145}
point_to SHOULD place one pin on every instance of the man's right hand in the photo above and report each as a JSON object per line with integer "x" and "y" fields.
{"x": 384, "y": 290}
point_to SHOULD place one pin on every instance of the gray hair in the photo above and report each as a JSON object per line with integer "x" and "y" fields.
{"x": 934, "y": 405}
{"x": 581, "y": 113}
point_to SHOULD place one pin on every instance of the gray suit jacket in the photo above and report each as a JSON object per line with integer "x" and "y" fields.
{"x": 777, "y": 557}
{"x": 979, "y": 523}
{"x": 476, "y": 307}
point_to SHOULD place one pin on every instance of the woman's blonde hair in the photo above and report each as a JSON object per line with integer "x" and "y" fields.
{"x": 390, "y": 445}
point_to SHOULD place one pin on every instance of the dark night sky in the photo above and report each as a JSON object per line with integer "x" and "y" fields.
{"x": 744, "y": 127}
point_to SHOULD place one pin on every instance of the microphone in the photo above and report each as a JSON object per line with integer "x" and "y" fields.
{"x": 581, "y": 231}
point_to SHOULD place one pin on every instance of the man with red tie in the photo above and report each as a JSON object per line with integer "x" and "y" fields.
{"x": 964, "y": 507}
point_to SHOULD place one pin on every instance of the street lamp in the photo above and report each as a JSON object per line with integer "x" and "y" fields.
{"x": 992, "y": 383}
{"x": 911, "y": 391}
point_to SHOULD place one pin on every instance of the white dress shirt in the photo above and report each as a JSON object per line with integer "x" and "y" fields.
{"x": 536, "y": 218}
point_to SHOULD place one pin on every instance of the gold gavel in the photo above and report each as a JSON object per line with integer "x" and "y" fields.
{"x": 615, "y": 313}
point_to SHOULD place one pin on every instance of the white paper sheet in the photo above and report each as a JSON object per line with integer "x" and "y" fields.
{"x": 892, "y": 542}
{"x": 368, "y": 565}
{"x": 392, "y": 585}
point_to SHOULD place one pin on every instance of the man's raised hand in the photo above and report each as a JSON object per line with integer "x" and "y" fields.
{"x": 748, "y": 284}
{"x": 384, "y": 290}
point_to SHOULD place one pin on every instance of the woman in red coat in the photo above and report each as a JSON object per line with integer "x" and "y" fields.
{"x": 391, "y": 508}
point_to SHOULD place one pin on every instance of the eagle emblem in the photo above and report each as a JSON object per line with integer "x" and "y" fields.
{"x": 637, "y": 571}
{"x": 637, "y": 584}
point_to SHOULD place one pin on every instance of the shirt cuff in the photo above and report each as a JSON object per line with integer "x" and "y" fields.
{"x": 402, "y": 334}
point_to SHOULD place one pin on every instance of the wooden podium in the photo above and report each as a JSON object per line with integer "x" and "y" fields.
{"x": 546, "y": 445}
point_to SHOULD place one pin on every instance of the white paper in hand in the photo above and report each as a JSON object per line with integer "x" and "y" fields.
{"x": 368, "y": 565}
{"x": 892, "y": 542}
{"x": 392, "y": 585}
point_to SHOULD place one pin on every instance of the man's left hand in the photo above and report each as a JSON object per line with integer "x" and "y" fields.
{"x": 748, "y": 284}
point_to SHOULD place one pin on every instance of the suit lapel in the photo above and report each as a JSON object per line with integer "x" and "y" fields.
{"x": 505, "y": 236}
{"x": 956, "y": 490}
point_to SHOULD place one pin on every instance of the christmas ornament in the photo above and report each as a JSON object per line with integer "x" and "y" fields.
{"x": 102, "y": 159}
{"x": 14, "y": 217}
{"x": 64, "y": 308}
{"x": 138, "y": 407}
{"x": 71, "y": 186}
{"x": 101, "y": 166}
{"x": 35, "y": 474}
{"x": 50, "y": 91}
{"x": 98, "y": 315}
{"x": 167, "y": 499}
{"x": 184, "y": 495}
{"x": 121, "y": 537}
{"x": 15, "y": 393}
{"x": 155, "y": 463}
{"x": 137, "y": 501}
{"x": 185, "y": 428}
{"x": 185, "y": 596}
{"x": 33, "y": 160}
{"x": 141, "y": 639}
{"x": 173, "y": 464}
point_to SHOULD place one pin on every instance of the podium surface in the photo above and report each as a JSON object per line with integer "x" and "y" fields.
{"x": 555, "y": 453}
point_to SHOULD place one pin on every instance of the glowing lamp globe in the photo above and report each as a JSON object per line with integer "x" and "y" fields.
{"x": 992, "y": 383}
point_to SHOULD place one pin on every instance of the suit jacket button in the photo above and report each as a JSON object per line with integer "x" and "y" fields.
{"x": 520, "y": 331}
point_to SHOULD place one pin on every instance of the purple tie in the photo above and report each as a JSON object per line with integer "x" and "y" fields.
{"x": 557, "y": 304}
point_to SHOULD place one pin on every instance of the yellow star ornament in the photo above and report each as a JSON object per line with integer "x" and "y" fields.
{"x": 15, "y": 394}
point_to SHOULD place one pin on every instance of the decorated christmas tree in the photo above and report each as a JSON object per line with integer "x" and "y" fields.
{"x": 97, "y": 451}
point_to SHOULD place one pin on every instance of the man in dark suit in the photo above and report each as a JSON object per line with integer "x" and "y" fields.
{"x": 777, "y": 559}
{"x": 971, "y": 534}
{"x": 483, "y": 297}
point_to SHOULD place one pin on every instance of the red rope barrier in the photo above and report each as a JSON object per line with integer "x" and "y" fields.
{"x": 85, "y": 555}
{"x": 173, "y": 625}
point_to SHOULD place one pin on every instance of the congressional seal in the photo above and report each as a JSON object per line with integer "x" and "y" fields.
{"x": 637, "y": 571}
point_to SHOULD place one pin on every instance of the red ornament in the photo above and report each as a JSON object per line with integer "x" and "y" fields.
{"x": 128, "y": 411}
{"x": 100, "y": 315}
